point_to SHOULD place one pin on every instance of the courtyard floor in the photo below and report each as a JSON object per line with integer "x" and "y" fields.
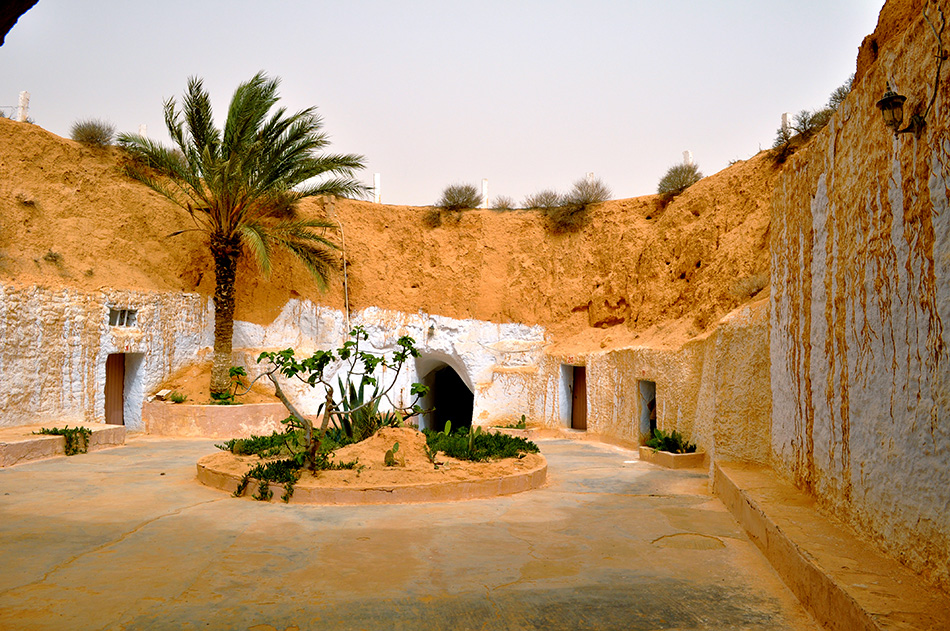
{"x": 126, "y": 538}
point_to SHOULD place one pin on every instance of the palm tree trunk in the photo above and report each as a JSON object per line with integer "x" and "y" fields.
{"x": 225, "y": 252}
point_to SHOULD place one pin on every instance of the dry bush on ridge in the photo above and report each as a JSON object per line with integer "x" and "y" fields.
{"x": 547, "y": 198}
{"x": 94, "y": 132}
{"x": 460, "y": 197}
{"x": 572, "y": 212}
{"x": 677, "y": 179}
{"x": 503, "y": 202}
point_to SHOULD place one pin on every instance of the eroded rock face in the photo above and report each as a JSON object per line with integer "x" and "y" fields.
{"x": 860, "y": 326}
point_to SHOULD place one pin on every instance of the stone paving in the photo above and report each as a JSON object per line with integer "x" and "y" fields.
{"x": 126, "y": 538}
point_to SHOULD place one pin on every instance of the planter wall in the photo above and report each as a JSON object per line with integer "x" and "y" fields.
{"x": 673, "y": 461}
{"x": 213, "y": 421}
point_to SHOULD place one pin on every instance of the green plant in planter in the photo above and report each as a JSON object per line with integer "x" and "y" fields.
{"x": 177, "y": 397}
{"x": 348, "y": 407}
{"x": 77, "y": 438}
{"x": 390, "y": 459}
{"x": 476, "y": 445}
{"x": 235, "y": 374}
{"x": 673, "y": 442}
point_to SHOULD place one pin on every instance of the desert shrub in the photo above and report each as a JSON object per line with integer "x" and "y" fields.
{"x": 547, "y": 198}
{"x": 564, "y": 219}
{"x": 53, "y": 257}
{"x": 677, "y": 179}
{"x": 587, "y": 192}
{"x": 672, "y": 442}
{"x": 95, "y": 132}
{"x": 460, "y": 197}
{"x": 503, "y": 202}
{"x": 748, "y": 286}
{"x": 176, "y": 397}
{"x": 432, "y": 217}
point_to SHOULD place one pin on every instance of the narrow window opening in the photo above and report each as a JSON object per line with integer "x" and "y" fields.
{"x": 122, "y": 317}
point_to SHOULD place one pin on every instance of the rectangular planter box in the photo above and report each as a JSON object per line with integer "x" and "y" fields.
{"x": 20, "y": 444}
{"x": 673, "y": 461}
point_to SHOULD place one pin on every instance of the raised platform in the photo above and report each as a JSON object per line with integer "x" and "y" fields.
{"x": 673, "y": 461}
{"x": 213, "y": 471}
{"x": 846, "y": 583}
{"x": 19, "y": 444}
{"x": 212, "y": 421}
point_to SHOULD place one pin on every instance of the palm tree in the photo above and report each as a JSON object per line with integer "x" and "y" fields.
{"x": 241, "y": 186}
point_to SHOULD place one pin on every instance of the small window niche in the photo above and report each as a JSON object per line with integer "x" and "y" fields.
{"x": 122, "y": 317}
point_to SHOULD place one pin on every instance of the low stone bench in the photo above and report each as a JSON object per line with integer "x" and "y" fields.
{"x": 845, "y": 582}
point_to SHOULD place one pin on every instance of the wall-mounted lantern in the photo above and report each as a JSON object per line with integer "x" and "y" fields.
{"x": 892, "y": 109}
{"x": 892, "y": 104}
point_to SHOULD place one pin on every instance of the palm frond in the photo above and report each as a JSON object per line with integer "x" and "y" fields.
{"x": 338, "y": 186}
{"x": 199, "y": 118}
{"x": 255, "y": 238}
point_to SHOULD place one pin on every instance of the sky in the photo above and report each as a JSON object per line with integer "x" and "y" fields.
{"x": 528, "y": 94}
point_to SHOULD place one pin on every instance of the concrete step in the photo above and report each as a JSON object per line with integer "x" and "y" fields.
{"x": 19, "y": 444}
{"x": 844, "y": 581}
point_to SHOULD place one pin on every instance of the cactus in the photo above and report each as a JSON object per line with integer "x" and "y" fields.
{"x": 390, "y": 457}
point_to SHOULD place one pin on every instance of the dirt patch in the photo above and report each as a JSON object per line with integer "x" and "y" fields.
{"x": 194, "y": 381}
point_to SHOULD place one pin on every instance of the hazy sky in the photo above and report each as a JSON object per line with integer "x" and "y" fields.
{"x": 529, "y": 94}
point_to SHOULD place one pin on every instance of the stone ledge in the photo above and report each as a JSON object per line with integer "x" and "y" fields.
{"x": 447, "y": 491}
{"x": 212, "y": 421}
{"x": 846, "y": 583}
{"x": 671, "y": 460}
{"x": 19, "y": 444}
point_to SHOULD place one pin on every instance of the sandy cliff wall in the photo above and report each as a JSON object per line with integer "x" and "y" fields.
{"x": 70, "y": 218}
{"x": 860, "y": 330}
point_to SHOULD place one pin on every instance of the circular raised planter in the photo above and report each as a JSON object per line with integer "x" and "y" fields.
{"x": 222, "y": 471}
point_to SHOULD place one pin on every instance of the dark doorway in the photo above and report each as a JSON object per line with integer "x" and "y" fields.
{"x": 115, "y": 389}
{"x": 647, "y": 409}
{"x": 450, "y": 397}
{"x": 579, "y": 399}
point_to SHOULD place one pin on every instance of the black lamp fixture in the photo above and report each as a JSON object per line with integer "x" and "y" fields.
{"x": 892, "y": 104}
{"x": 892, "y": 109}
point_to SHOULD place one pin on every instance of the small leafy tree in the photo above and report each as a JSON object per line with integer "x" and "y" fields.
{"x": 807, "y": 123}
{"x": 840, "y": 93}
{"x": 677, "y": 179}
{"x": 94, "y": 132}
{"x": 343, "y": 406}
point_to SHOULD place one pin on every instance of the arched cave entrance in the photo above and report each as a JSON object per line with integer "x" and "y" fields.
{"x": 450, "y": 397}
